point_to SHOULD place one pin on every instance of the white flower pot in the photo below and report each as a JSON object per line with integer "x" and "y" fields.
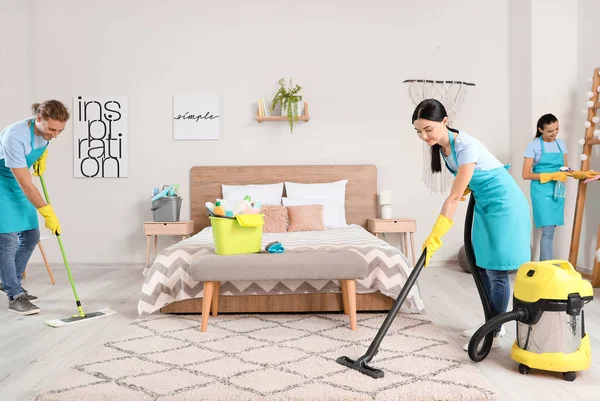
{"x": 300, "y": 109}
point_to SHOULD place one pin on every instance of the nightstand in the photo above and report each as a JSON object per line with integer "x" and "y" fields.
{"x": 378, "y": 227}
{"x": 153, "y": 228}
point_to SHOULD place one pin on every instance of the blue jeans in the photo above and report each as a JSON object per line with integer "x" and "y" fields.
{"x": 546, "y": 243}
{"x": 15, "y": 251}
{"x": 497, "y": 289}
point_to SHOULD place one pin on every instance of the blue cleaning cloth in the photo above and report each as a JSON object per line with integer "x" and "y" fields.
{"x": 274, "y": 247}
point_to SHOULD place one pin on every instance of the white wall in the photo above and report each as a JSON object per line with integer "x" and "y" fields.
{"x": 520, "y": 87}
{"x": 544, "y": 80}
{"x": 554, "y": 89}
{"x": 350, "y": 56}
{"x": 588, "y": 56}
{"x": 14, "y": 60}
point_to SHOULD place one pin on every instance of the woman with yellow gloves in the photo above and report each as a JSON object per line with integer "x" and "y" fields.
{"x": 543, "y": 158}
{"x": 24, "y": 145}
{"x": 501, "y": 222}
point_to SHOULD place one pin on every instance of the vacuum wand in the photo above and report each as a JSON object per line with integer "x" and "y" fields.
{"x": 361, "y": 363}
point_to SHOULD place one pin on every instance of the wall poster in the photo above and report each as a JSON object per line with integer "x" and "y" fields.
{"x": 100, "y": 137}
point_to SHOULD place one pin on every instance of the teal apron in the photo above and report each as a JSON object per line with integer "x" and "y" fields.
{"x": 17, "y": 212}
{"x": 547, "y": 210}
{"x": 501, "y": 222}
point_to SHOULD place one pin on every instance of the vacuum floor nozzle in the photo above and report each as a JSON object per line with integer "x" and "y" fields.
{"x": 361, "y": 366}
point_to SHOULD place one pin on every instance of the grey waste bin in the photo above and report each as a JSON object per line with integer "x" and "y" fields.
{"x": 166, "y": 208}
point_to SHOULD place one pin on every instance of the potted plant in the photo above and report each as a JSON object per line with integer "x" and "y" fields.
{"x": 289, "y": 99}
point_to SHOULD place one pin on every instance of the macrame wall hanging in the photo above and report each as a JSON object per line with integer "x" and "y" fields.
{"x": 452, "y": 94}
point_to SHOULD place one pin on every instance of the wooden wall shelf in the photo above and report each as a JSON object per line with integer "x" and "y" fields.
{"x": 304, "y": 117}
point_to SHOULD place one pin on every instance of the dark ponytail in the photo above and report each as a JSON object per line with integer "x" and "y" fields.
{"x": 432, "y": 110}
{"x": 543, "y": 121}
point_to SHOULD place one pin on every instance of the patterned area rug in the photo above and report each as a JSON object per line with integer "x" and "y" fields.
{"x": 272, "y": 357}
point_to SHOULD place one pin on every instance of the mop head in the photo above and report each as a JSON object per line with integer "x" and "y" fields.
{"x": 76, "y": 318}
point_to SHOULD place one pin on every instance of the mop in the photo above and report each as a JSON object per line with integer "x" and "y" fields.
{"x": 81, "y": 316}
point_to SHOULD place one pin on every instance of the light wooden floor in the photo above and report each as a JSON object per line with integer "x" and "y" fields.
{"x": 32, "y": 354}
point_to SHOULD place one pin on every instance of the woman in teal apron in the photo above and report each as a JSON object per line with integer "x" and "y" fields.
{"x": 544, "y": 157}
{"x": 24, "y": 145}
{"x": 501, "y": 222}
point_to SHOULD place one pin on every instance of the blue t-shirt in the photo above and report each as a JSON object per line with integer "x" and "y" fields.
{"x": 15, "y": 144}
{"x": 470, "y": 150}
{"x": 534, "y": 149}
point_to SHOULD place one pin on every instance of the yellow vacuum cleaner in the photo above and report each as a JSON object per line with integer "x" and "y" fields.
{"x": 548, "y": 301}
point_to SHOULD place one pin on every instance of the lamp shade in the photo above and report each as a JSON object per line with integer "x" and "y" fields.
{"x": 385, "y": 197}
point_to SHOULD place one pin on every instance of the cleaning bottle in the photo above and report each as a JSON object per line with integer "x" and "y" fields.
{"x": 559, "y": 189}
{"x": 219, "y": 211}
{"x": 559, "y": 186}
{"x": 241, "y": 207}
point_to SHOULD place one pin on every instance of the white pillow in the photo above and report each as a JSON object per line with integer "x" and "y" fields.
{"x": 267, "y": 194}
{"x": 333, "y": 211}
{"x": 335, "y": 191}
{"x": 326, "y": 190}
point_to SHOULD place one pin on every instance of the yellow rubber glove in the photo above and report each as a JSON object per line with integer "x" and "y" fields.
{"x": 434, "y": 241}
{"x": 578, "y": 175}
{"x": 467, "y": 192}
{"x": 51, "y": 220}
{"x": 556, "y": 176}
{"x": 39, "y": 167}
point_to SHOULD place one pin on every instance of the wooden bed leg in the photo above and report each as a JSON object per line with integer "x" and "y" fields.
{"x": 206, "y": 299}
{"x": 351, "y": 290}
{"x": 215, "y": 298}
{"x": 412, "y": 246}
{"x": 344, "y": 296}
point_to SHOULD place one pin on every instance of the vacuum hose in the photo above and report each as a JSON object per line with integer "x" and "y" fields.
{"x": 485, "y": 302}
{"x": 486, "y": 330}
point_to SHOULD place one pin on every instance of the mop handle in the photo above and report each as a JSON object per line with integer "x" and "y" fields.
{"x": 45, "y": 190}
{"x": 64, "y": 255}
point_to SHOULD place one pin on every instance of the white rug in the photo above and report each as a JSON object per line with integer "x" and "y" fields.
{"x": 272, "y": 358}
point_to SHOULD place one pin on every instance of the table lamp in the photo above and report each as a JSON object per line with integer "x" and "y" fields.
{"x": 385, "y": 200}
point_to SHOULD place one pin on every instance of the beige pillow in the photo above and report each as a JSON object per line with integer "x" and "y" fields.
{"x": 276, "y": 218}
{"x": 306, "y": 218}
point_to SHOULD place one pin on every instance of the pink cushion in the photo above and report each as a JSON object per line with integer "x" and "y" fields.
{"x": 276, "y": 218}
{"x": 306, "y": 218}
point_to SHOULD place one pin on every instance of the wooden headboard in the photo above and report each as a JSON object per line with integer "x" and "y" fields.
{"x": 361, "y": 190}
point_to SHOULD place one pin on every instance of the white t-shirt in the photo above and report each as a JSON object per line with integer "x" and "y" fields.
{"x": 534, "y": 149}
{"x": 470, "y": 150}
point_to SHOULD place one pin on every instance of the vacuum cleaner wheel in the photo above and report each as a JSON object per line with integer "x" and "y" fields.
{"x": 524, "y": 369}
{"x": 568, "y": 376}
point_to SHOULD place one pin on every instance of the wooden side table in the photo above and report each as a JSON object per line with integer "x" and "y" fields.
{"x": 378, "y": 227}
{"x": 153, "y": 228}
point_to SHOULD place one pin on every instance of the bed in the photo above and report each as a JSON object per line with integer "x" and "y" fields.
{"x": 168, "y": 286}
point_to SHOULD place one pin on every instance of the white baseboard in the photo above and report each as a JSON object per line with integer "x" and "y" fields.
{"x": 55, "y": 266}
{"x": 438, "y": 263}
{"x": 583, "y": 269}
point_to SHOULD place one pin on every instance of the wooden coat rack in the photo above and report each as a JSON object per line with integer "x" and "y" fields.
{"x": 590, "y": 141}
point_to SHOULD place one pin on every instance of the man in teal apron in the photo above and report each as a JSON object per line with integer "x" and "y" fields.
{"x": 543, "y": 158}
{"x": 501, "y": 221}
{"x": 24, "y": 145}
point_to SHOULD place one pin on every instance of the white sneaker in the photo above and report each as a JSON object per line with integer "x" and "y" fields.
{"x": 495, "y": 344}
{"x": 469, "y": 333}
